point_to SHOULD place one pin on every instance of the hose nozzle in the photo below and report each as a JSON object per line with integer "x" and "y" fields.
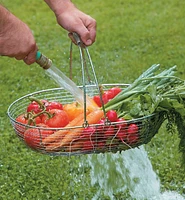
{"x": 43, "y": 61}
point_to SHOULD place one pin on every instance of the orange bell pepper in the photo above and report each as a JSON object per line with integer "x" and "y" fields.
{"x": 73, "y": 110}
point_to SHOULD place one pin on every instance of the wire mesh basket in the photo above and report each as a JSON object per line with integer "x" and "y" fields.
{"x": 94, "y": 138}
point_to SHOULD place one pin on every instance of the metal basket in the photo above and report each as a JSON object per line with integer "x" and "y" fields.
{"x": 96, "y": 138}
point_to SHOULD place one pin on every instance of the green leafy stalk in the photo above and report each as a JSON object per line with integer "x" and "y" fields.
{"x": 154, "y": 92}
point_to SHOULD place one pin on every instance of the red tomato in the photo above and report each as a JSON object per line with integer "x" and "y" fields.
{"x": 115, "y": 91}
{"x": 107, "y": 95}
{"x": 112, "y": 115}
{"x": 37, "y": 120}
{"x": 110, "y": 95}
{"x": 132, "y": 133}
{"x": 105, "y": 98}
{"x": 34, "y": 136}
{"x": 22, "y": 119}
{"x": 35, "y": 107}
{"x": 20, "y": 129}
{"x": 59, "y": 118}
{"x": 54, "y": 105}
{"x": 97, "y": 100}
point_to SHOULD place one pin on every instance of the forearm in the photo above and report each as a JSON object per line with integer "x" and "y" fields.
{"x": 5, "y": 18}
{"x": 16, "y": 38}
{"x": 59, "y": 6}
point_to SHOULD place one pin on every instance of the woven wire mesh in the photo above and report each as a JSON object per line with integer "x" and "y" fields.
{"x": 96, "y": 138}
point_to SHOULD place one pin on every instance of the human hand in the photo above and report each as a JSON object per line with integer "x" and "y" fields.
{"x": 74, "y": 20}
{"x": 16, "y": 39}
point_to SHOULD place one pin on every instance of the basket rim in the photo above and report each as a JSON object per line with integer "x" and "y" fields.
{"x": 57, "y": 88}
{"x": 63, "y": 128}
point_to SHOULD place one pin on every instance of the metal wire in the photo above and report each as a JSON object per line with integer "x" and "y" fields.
{"x": 148, "y": 126}
{"x": 85, "y": 68}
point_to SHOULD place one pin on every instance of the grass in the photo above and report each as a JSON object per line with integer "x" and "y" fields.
{"x": 131, "y": 36}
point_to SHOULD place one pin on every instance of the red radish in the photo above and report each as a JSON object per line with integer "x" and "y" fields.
{"x": 122, "y": 135}
{"x": 101, "y": 144}
{"x": 88, "y": 132}
{"x": 112, "y": 115}
{"x": 88, "y": 145}
{"x": 109, "y": 132}
{"x": 122, "y": 123}
{"x": 132, "y": 133}
{"x": 101, "y": 121}
{"x": 133, "y": 129}
{"x": 106, "y": 96}
{"x": 100, "y": 127}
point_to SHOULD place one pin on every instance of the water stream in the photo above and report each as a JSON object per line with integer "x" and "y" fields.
{"x": 130, "y": 171}
{"x": 63, "y": 81}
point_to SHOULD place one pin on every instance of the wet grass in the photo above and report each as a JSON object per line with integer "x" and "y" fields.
{"x": 131, "y": 36}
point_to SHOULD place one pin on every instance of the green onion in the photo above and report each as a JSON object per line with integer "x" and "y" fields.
{"x": 154, "y": 92}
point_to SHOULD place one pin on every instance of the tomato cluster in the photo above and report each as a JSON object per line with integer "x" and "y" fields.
{"x": 51, "y": 113}
{"x": 38, "y": 106}
{"x": 43, "y": 114}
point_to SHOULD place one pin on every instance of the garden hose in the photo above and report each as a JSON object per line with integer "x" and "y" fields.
{"x": 43, "y": 61}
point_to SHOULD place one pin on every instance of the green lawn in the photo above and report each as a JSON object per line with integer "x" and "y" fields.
{"x": 131, "y": 36}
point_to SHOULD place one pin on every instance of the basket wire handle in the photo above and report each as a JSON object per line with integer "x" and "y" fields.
{"x": 78, "y": 42}
{"x": 81, "y": 47}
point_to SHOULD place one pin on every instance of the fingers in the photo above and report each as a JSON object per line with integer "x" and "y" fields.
{"x": 85, "y": 42}
{"x": 91, "y": 36}
{"x": 31, "y": 57}
{"x": 86, "y": 29}
{"x": 92, "y": 31}
{"x": 87, "y": 35}
{"x": 28, "y": 57}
